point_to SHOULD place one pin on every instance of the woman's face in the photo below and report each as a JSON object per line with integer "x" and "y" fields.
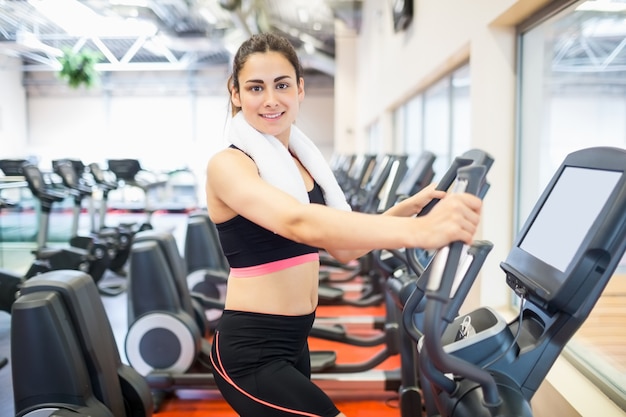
{"x": 269, "y": 93}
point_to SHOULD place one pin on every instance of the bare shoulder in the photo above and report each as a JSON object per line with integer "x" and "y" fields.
{"x": 226, "y": 158}
{"x": 231, "y": 174}
{"x": 219, "y": 179}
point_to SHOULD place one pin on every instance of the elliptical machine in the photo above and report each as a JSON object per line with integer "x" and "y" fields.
{"x": 558, "y": 266}
{"x": 390, "y": 265}
{"x": 376, "y": 196}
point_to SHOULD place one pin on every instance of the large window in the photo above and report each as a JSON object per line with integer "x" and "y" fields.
{"x": 437, "y": 137}
{"x": 460, "y": 111}
{"x": 375, "y": 142}
{"x": 573, "y": 96}
{"x": 437, "y": 120}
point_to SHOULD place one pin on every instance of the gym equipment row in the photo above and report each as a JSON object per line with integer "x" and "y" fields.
{"x": 558, "y": 267}
{"x": 379, "y": 265}
{"x": 165, "y": 344}
{"x": 391, "y": 180}
{"x": 102, "y": 249}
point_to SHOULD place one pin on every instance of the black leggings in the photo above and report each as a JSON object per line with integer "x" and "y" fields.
{"x": 262, "y": 366}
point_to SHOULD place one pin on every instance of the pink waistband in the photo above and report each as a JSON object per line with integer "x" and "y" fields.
{"x": 254, "y": 271}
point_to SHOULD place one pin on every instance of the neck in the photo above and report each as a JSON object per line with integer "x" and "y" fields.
{"x": 284, "y": 137}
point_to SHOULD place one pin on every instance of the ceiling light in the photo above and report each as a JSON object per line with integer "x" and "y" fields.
{"x": 30, "y": 41}
{"x": 72, "y": 16}
{"x": 76, "y": 19}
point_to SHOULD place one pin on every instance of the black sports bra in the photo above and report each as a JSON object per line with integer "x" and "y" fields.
{"x": 246, "y": 244}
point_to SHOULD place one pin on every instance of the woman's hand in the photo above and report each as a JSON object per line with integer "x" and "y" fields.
{"x": 412, "y": 205}
{"x": 454, "y": 218}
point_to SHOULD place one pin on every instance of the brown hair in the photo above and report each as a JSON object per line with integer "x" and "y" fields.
{"x": 259, "y": 43}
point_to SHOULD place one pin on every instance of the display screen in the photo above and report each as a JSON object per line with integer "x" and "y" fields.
{"x": 567, "y": 215}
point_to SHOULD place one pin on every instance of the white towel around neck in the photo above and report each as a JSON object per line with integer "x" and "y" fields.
{"x": 276, "y": 165}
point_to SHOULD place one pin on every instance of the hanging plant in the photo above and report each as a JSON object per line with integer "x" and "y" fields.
{"x": 79, "y": 68}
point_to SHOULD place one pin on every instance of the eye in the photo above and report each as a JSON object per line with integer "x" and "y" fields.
{"x": 282, "y": 86}
{"x": 256, "y": 88}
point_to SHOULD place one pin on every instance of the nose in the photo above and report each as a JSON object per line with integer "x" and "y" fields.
{"x": 270, "y": 98}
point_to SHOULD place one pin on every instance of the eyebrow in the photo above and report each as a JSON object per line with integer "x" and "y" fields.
{"x": 277, "y": 79}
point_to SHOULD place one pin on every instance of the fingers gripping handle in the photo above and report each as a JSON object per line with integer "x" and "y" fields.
{"x": 446, "y": 181}
{"x": 469, "y": 180}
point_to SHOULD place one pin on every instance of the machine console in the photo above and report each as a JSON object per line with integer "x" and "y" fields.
{"x": 574, "y": 233}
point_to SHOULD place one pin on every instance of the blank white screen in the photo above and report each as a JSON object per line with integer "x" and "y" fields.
{"x": 567, "y": 214}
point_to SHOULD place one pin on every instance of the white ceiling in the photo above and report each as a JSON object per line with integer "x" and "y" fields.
{"x": 179, "y": 37}
{"x": 168, "y": 34}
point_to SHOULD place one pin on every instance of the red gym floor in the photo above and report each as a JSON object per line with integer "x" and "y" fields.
{"x": 352, "y": 403}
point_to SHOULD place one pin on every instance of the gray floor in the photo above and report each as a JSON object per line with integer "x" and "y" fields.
{"x": 15, "y": 260}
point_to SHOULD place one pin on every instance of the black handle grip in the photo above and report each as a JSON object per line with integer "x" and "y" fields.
{"x": 446, "y": 181}
{"x": 469, "y": 179}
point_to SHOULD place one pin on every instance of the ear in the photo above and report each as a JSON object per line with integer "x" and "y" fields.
{"x": 235, "y": 98}
{"x": 301, "y": 89}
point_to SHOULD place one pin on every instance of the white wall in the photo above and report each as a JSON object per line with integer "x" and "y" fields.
{"x": 165, "y": 130}
{"x": 13, "y": 126}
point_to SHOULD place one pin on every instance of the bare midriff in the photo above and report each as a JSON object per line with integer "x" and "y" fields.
{"x": 291, "y": 291}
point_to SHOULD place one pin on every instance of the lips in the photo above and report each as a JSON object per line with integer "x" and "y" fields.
{"x": 271, "y": 116}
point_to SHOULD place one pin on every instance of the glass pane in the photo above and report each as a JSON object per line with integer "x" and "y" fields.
{"x": 413, "y": 140}
{"x": 573, "y": 96}
{"x": 437, "y": 124}
{"x": 19, "y": 220}
{"x": 399, "y": 125}
{"x": 461, "y": 125}
{"x": 375, "y": 140}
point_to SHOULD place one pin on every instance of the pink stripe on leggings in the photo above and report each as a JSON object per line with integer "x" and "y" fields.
{"x": 217, "y": 367}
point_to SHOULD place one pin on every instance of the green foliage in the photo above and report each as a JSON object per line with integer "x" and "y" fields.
{"x": 79, "y": 68}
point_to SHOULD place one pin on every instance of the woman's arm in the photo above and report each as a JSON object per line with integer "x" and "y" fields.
{"x": 235, "y": 185}
{"x": 406, "y": 208}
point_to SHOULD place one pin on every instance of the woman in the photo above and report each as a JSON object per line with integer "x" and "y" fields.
{"x": 275, "y": 203}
